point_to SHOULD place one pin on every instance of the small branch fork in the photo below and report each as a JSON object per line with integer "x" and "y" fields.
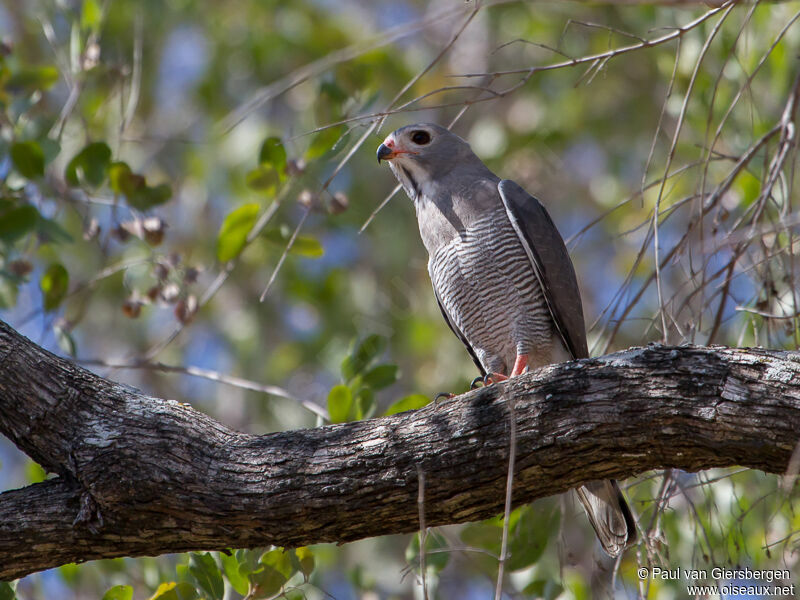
{"x": 137, "y": 475}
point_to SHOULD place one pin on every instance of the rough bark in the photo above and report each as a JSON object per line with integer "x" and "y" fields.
{"x": 137, "y": 475}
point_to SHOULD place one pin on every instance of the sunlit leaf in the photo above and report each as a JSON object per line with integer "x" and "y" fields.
{"x": 273, "y": 154}
{"x": 340, "y": 400}
{"x": 230, "y": 567}
{"x": 8, "y": 291}
{"x": 32, "y": 78}
{"x": 175, "y": 591}
{"x": 28, "y": 159}
{"x": 275, "y": 572}
{"x": 7, "y": 591}
{"x": 123, "y": 180}
{"x": 306, "y": 559}
{"x": 411, "y": 402}
{"x": 90, "y": 165}
{"x": 264, "y": 178}
{"x": 204, "y": 569}
{"x": 35, "y": 472}
{"x": 54, "y": 284}
{"x": 91, "y": 15}
{"x": 234, "y": 231}
{"x": 17, "y": 222}
{"x": 304, "y": 245}
{"x": 119, "y": 592}
{"x": 364, "y": 403}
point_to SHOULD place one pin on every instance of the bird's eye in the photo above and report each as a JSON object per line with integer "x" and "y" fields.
{"x": 420, "y": 137}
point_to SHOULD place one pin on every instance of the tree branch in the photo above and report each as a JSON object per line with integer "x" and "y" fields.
{"x": 143, "y": 476}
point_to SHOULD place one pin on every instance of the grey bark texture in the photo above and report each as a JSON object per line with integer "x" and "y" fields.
{"x": 137, "y": 475}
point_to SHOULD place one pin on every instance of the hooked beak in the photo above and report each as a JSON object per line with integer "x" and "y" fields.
{"x": 385, "y": 153}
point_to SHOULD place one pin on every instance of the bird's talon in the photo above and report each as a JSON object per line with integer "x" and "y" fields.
{"x": 474, "y": 385}
{"x": 491, "y": 378}
{"x": 444, "y": 395}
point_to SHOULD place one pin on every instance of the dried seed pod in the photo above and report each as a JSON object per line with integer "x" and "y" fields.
{"x": 20, "y": 267}
{"x": 190, "y": 275}
{"x": 153, "y": 229}
{"x": 295, "y": 167}
{"x": 339, "y": 203}
{"x": 170, "y": 293}
{"x": 161, "y": 270}
{"x": 185, "y": 309}
{"x": 153, "y": 293}
{"x": 132, "y": 308}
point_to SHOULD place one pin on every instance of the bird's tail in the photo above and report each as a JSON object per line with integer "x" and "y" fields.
{"x": 609, "y": 514}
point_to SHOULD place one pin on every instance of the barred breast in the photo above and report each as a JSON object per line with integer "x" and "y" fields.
{"x": 487, "y": 285}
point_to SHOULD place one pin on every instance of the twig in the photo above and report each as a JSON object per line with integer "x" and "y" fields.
{"x": 230, "y": 380}
{"x": 423, "y": 532}
{"x": 512, "y": 451}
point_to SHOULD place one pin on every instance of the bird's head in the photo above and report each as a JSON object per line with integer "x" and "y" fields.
{"x": 422, "y": 153}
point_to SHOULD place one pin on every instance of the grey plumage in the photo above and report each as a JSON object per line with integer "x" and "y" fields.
{"x": 501, "y": 274}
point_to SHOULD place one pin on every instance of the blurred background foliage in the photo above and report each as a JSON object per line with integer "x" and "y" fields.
{"x": 157, "y": 157}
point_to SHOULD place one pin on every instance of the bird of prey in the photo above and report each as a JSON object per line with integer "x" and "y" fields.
{"x": 502, "y": 277}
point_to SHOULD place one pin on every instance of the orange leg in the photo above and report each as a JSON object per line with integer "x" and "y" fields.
{"x": 519, "y": 365}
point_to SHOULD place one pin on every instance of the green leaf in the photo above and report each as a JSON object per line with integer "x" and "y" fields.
{"x": 50, "y": 149}
{"x": 90, "y": 165}
{"x": 17, "y": 222}
{"x": 276, "y": 571}
{"x": 304, "y": 245}
{"x": 530, "y": 535}
{"x": 263, "y": 178}
{"x": 51, "y": 232}
{"x": 273, "y": 154}
{"x": 433, "y": 560}
{"x": 340, "y": 400}
{"x": 544, "y": 589}
{"x": 325, "y": 142}
{"x": 175, "y": 591}
{"x": 380, "y": 377}
{"x": 6, "y": 591}
{"x": 123, "y": 180}
{"x": 412, "y": 402}
{"x": 54, "y": 284}
{"x": 119, "y": 592}
{"x": 204, "y": 569}
{"x": 35, "y": 472}
{"x": 91, "y": 15}
{"x": 365, "y": 403}
{"x": 147, "y": 197}
{"x": 306, "y": 559}
{"x": 234, "y": 231}
{"x": 30, "y": 79}
{"x": 248, "y": 560}
{"x": 8, "y": 291}
{"x": 233, "y": 574}
{"x": 28, "y": 159}
{"x": 362, "y": 356}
